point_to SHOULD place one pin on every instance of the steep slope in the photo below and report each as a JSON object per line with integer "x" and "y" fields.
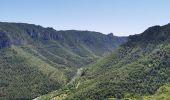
{"x": 80, "y": 45}
{"x": 36, "y": 60}
{"x": 24, "y": 76}
{"x": 138, "y": 67}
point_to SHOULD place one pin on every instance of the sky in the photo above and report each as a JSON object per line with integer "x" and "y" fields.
{"x": 120, "y": 17}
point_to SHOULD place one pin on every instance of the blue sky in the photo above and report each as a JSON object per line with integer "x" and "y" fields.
{"x": 121, "y": 17}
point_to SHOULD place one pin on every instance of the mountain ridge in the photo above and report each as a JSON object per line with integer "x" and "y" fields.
{"x": 36, "y": 60}
{"x": 136, "y": 69}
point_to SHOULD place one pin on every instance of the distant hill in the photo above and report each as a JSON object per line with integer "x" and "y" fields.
{"x": 36, "y": 60}
{"x": 136, "y": 69}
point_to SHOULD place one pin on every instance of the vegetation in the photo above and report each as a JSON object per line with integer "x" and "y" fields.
{"x": 163, "y": 93}
{"x": 137, "y": 69}
{"x": 36, "y": 60}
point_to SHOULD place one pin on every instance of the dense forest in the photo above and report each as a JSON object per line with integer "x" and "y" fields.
{"x": 35, "y": 60}
{"x": 137, "y": 70}
{"x": 44, "y": 64}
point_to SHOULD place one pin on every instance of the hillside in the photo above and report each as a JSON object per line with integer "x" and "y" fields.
{"x": 36, "y": 60}
{"x": 136, "y": 69}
